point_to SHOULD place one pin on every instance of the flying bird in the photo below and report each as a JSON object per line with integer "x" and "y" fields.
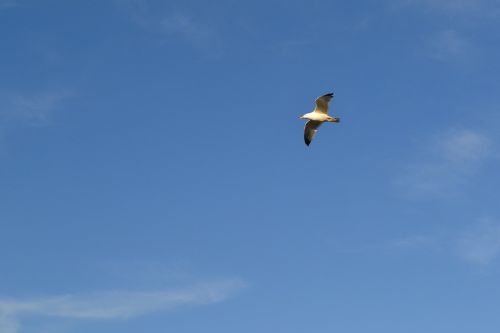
{"x": 318, "y": 117}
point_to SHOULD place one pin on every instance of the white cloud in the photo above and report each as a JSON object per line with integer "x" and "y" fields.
{"x": 454, "y": 7}
{"x": 136, "y": 10}
{"x": 198, "y": 35}
{"x": 465, "y": 146}
{"x": 183, "y": 25}
{"x": 8, "y": 324}
{"x": 412, "y": 241}
{"x": 478, "y": 243}
{"x": 8, "y": 4}
{"x": 35, "y": 109}
{"x": 481, "y": 244}
{"x": 454, "y": 158}
{"x": 112, "y": 305}
{"x": 448, "y": 44}
{"x": 191, "y": 29}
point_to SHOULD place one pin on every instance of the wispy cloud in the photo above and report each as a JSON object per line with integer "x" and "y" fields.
{"x": 8, "y": 3}
{"x": 480, "y": 244}
{"x": 28, "y": 109}
{"x": 414, "y": 241}
{"x": 136, "y": 10}
{"x": 186, "y": 27}
{"x": 453, "y": 7}
{"x": 454, "y": 158}
{"x": 465, "y": 146}
{"x": 448, "y": 44}
{"x": 8, "y": 324}
{"x": 34, "y": 109}
{"x": 112, "y": 305}
{"x": 449, "y": 5}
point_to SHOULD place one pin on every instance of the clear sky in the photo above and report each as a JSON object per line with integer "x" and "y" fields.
{"x": 154, "y": 176}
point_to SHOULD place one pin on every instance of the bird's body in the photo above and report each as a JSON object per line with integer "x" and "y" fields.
{"x": 318, "y": 117}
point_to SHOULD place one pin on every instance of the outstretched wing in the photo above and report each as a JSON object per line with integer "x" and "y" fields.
{"x": 310, "y": 129}
{"x": 322, "y": 103}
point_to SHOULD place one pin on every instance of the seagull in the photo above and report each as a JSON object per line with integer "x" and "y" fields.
{"x": 318, "y": 117}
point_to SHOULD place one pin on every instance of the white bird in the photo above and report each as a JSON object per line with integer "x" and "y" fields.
{"x": 318, "y": 117}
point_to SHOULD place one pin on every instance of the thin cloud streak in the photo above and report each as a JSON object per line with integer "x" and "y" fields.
{"x": 481, "y": 244}
{"x": 199, "y": 35}
{"x": 477, "y": 244}
{"x": 412, "y": 241}
{"x": 4, "y": 4}
{"x": 113, "y": 305}
{"x": 455, "y": 157}
{"x": 449, "y": 5}
{"x": 34, "y": 109}
{"x": 8, "y": 324}
{"x": 448, "y": 44}
{"x": 453, "y": 7}
{"x": 185, "y": 27}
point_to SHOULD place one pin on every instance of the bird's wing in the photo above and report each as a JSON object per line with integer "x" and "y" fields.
{"x": 322, "y": 103}
{"x": 310, "y": 129}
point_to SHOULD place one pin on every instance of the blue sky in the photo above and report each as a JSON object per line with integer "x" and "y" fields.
{"x": 154, "y": 175}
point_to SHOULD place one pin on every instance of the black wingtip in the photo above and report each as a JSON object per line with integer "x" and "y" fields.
{"x": 329, "y": 94}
